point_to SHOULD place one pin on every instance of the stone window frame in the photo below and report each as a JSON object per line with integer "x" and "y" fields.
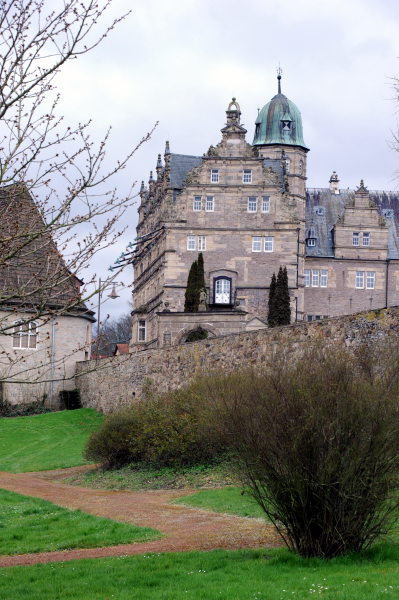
{"x": 315, "y": 277}
{"x": 201, "y": 243}
{"x": 300, "y": 167}
{"x": 356, "y": 238}
{"x": 370, "y": 280}
{"x": 323, "y": 278}
{"x": 268, "y": 240}
{"x": 311, "y": 242}
{"x": 256, "y": 239}
{"x": 265, "y": 204}
{"x": 191, "y": 240}
{"x": 215, "y": 280}
{"x": 24, "y": 331}
{"x": 359, "y": 280}
{"x": 197, "y": 201}
{"x": 214, "y": 175}
{"x": 306, "y": 277}
{"x": 247, "y": 176}
{"x": 366, "y": 238}
{"x": 252, "y": 205}
{"x": 210, "y": 204}
{"x": 142, "y": 330}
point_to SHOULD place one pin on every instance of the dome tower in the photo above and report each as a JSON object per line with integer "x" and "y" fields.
{"x": 278, "y": 132}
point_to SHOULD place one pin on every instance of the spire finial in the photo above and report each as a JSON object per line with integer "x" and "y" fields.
{"x": 279, "y": 71}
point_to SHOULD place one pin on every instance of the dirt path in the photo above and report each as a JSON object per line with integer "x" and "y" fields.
{"x": 186, "y": 528}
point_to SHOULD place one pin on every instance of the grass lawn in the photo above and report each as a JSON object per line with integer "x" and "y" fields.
{"x": 44, "y": 442}
{"x": 223, "y": 575}
{"x": 225, "y": 500}
{"x": 142, "y": 477}
{"x": 32, "y": 525}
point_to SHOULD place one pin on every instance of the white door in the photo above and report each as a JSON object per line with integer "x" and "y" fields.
{"x": 222, "y": 291}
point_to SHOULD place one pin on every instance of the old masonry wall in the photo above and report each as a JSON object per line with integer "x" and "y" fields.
{"x": 117, "y": 381}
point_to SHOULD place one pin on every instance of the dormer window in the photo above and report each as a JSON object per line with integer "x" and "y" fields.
{"x": 257, "y": 129}
{"x": 311, "y": 237}
{"x": 215, "y": 176}
{"x": 286, "y": 125}
{"x": 311, "y": 242}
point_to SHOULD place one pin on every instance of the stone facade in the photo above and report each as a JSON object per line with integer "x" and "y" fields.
{"x": 121, "y": 379}
{"x": 246, "y": 208}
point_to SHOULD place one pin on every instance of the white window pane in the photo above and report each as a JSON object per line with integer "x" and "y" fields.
{"x": 324, "y": 278}
{"x": 197, "y": 203}
{"x": 306, "y": 277}
{"x": 252, "y": 204}
{"x": 16, "y": 341}
{"x": 366, "y": 239}
{"x": 360, "y": 279}
{"x": 191, "y": 242}
{"x": 268, "y": 244}
{"x": 32, "y": 341}
{"x": 370, "y": 280}
{"x": 315, "y": 278}
{"x": 266, "y": 204}
{"x": 209, "y": 207}
{"x": 222, "y": 291}
{"x": 247, "y": 176}
{"x": 24, "y": 340}
{"x": 141, "y": 332}
{"x": 201, "y": 242}
{"x": 355, "y": 239}
{"x": 256, "y": 244}
{"x": 215, "y": 176}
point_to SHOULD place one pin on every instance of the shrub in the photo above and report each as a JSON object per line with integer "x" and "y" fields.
{"x": 175, "y": 429}
{"x": 36, "y": 407}
{"x": 317, "y": 442}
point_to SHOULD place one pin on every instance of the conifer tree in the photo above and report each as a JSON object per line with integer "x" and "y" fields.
{"x": 271, "y": 316}
{"x": 191, "y": 289}
{"x": 282, "y": 298}
{"x": 200, "y": 280}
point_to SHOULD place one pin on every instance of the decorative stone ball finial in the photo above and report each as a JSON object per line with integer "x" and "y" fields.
{"x": 167, "y": 151}
{"x": 142, "y": 187}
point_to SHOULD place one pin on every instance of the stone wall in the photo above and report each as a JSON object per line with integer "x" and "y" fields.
{"x": 118, "y": 380}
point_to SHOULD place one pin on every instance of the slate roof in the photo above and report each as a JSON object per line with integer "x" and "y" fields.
{"x": 275, "y": 164}
{"x": 180, "y": 165}
{"x": 323, "y": 209}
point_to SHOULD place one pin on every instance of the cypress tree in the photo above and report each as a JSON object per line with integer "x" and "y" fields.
{"x": 282, "y": 298}
{"x": 271, "y": 315}
{"x": 200, "y": 283}
{"x": 191, "y": 289}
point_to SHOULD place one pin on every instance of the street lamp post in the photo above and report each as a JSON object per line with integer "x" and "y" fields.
{"x": 113, "y": 295}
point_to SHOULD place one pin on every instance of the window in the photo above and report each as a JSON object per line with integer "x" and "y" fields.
{"x": 310, "y": 317}
{"x": 366, "y": 239}
{"x": 370, "y": 280}
{"x": 247, "y": 176}
{"x": 252, "y": 204}
{"x": 306, "y": 277}
{"x": 191, "y": 242}
{"x": 315, "y": 278}
{"x": 268, "y": 244}
{"x": 197, "y": 203}
{"x": 266, "y": 204}
{"x": 201, "y": 242}
{"x": 141, "y": 331}
{"x": 24, "y": 335}
{"x": 323, "y": 278}
{"x": 215, "y": 176}
{"x": 360, "y": 280}
{"x": 318, "y": 317}
{"x": 287, "y": 165}
{"x": 222, "y": 291}
{"x": 311, "y": 242}
{"x": 210, "y": 204}
{"x": 241, "y": 302}
{"x": 300, "y": 167}
{"x": 256, "y": 244}
{"x": 355, "y": 239}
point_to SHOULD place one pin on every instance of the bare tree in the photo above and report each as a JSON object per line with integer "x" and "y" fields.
{"x": 57, "y": 209}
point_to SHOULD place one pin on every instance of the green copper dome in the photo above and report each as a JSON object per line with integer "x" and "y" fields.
{"x": 279, "y": 122}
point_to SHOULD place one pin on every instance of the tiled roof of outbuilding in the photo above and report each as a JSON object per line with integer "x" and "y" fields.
{"x": 324, "y": 207}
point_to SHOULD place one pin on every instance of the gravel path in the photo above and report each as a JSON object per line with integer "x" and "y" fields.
{"x": 186, "y": 528}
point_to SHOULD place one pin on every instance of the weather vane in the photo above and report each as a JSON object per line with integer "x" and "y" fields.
{"x": 279, "y": 71}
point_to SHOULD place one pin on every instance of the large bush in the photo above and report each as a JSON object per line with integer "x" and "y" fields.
{"x": 175, "y": 429}
{"x": 317, "y": 442}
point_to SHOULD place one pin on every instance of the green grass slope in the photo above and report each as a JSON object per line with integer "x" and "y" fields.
{"x": 33, "y": 525}
{"x": 225, "y": 500}
{"x": 217, "y": 575}
{"x": 44, "y": 442}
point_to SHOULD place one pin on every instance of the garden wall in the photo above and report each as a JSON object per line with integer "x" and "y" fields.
{"x": 111, "y": 382}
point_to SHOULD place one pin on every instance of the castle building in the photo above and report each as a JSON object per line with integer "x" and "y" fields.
{"x": 247, "y": 209}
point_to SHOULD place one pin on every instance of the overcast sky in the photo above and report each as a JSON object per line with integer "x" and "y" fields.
{"x": 179, "y": 62}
